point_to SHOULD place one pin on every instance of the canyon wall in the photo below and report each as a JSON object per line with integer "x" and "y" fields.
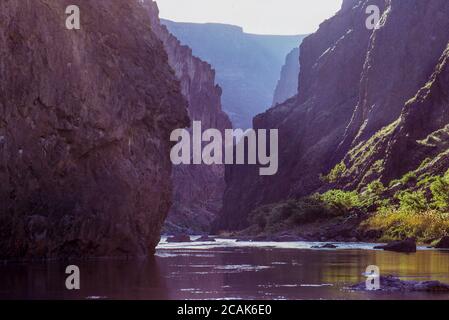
{"x": 198, "y": 189}
{"x": 287, "y": 86}
{"x": 355, "y": 104}
{"x": 417, "y": 142}
{"x": 85, "y": 123}
{"x": 399, "y": 112}
{"x": 247, "y": 65}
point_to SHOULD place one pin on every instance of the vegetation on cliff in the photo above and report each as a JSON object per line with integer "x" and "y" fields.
{"x": 420, "y": 209}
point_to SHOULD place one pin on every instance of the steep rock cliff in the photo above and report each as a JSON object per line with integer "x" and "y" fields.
{"x": 198, "y": 189}
{"x": 287, "y": 86}
{"x": 411, "y": 40}
{"x": 312, "y": 124}
{"x": 417, "y": 141}
{"x": 85, "y": 121}
{"x": 397, "y": 116}
{"x": 354, "y": 105}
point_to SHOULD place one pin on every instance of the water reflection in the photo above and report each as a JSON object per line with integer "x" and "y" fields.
{"x": 238, "y": 272}
{"x": 115, "y": 279}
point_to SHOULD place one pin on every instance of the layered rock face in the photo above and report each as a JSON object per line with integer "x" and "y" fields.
{"x": 401, "y": 116}
{"x": 198, "y": 189}
{"x": 416, "y": 142}
{"x": 85, "y": 123}
{"x": 287, "y": 86}
{"x": 310, "y": 125}
{"x": 354, "y": 85}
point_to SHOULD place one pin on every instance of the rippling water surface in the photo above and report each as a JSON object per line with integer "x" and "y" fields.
{"x": 228, "y": 269}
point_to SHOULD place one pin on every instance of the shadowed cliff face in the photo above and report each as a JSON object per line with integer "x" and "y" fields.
{"x": 423, "y": 129}
{"x": 198, "y": 189}
{"x": 353, "y": 82}
{"x": 409, "y": 43}
{"x": 417, "y": 141}
{"x": 401, "y": 117}
{"x": 311, "y": 124}
{"x": 85, "y": 120}
{"x": 287, "y": 86}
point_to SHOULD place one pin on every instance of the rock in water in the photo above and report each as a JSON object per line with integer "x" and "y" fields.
{"x": 393, "y": 284}
{"x": 85, "y": 121}
{"x": 443, "y": 243}
{"x": 406, "y": 246}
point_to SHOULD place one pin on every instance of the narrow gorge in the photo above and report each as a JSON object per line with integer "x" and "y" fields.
{"x": 247, "y": 65}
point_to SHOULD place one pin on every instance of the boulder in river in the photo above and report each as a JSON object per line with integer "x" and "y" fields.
{"x": 394, "y": 284}
{"x": 443, "y": 243}
{"x": 407, "y": 246}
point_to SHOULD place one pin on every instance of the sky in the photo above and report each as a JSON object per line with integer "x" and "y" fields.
{"x": 281, "y": 17}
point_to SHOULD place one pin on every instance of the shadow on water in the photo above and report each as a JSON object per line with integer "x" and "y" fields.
{"x": 100, "y": 279}
{"x": 226, "y": 273}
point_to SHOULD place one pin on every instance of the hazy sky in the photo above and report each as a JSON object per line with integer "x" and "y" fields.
{"x": 255, "y": 16}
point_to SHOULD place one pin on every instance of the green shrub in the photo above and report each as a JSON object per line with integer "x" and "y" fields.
{"x": 413, "y": 201}
{"x": 417, "y": 214}
{"x": 440, "y": 193}
{"x": 426, "y": 180}
{"x": 376, "y": 188}
{"x": 399, "y": 224}
{"x": 372, "y": 195}
{"x": 394, "y": 183}
{"x": 336, "y": 173}
{"x": 341, "y": 202}
{"x": 409, "y": 178}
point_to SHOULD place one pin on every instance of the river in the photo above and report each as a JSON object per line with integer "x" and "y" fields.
{"x": 227, "y": 269}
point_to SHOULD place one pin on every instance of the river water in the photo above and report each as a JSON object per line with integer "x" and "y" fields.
{"x": 228, "y": 269}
